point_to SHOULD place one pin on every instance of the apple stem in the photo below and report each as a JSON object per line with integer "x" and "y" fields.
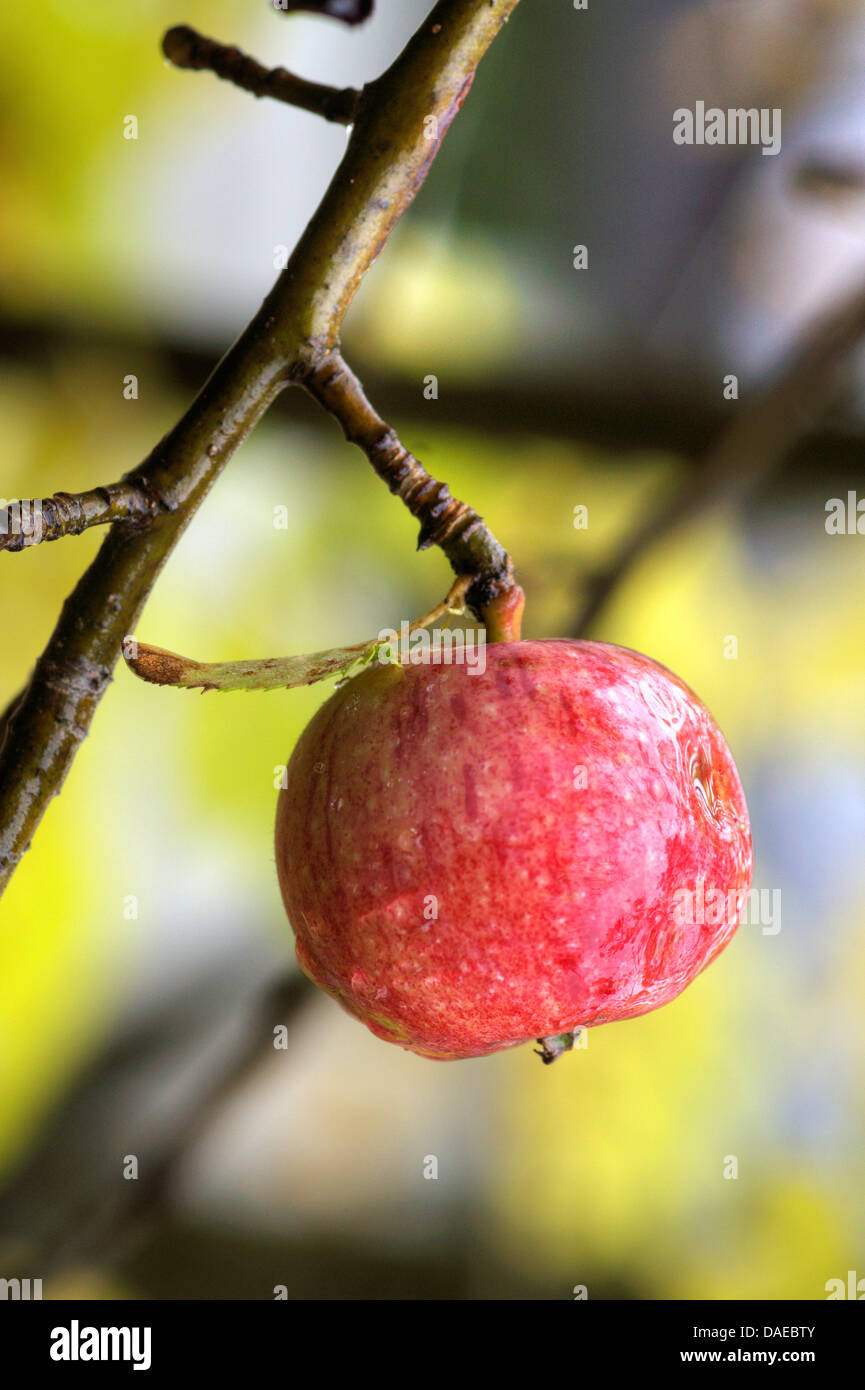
{"x": 503, "y": 616}
{"x": 555, "y": 1046}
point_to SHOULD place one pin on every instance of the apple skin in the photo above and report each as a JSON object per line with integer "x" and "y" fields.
{"x": 461, "y": 886}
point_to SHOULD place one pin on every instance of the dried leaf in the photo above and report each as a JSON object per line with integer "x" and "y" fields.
{"x": 161, "y": 667}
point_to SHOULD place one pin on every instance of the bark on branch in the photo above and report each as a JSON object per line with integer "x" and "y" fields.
{"x": 444, "y": 521}
{"x": 27, "y": 523}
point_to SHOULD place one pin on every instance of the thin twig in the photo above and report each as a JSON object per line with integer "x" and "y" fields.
{"x": 454, "y": 603}
{"x": 444, "y": 521}
{"x": 28, "y": 523}
{"x": 186, "y": 48}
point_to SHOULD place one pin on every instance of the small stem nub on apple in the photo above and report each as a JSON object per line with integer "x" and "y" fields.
{"x": 504, "y": 615}
{"x": 554, "y": 1047}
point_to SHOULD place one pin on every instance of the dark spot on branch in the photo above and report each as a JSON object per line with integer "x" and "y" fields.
{"x": 349, "y": 11}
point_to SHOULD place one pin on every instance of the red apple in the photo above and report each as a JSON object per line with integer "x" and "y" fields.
{"x": 471, "y": 860}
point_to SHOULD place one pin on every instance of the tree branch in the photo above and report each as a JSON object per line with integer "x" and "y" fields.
{"x": 27, "y": 523}
{"x": 402, "y": 120}
{"x": 186, "y": 48}
{"x": 444, "y": 521}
